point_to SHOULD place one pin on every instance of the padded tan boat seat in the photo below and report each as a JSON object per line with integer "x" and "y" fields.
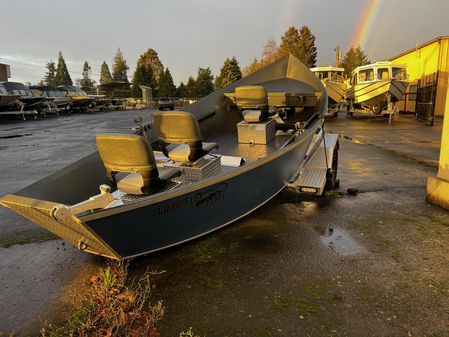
{"x": 180, "y": 128}
{"x": 126, "y": 153}
{"x": 252, "y": 100}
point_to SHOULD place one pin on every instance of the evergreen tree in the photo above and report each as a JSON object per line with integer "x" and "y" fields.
{"x": 150, "y": 58}
{"x": 105, "y": 74}
{"x": 354, "y": 58}
{"x": 270, "y": 52}
{"x": 254, "y": 66}
{"x": 161, "y": 83}
{"x": 142, "y": 76}
{"x": 191, "y": 91}
{"x": 204, "y": 82}
{"x": 49, "y": 78}
{"x": 62, "y": 76}
{"x": 87, "y": 84}
{"x": 229, "y": 73}
{"x": 181, "y": 91}
{"x": 290, "y": 43}
{"x": 301, "y": 44}
{"x": 307, "y": 50}
{"x": 119, "y": 67}
{"x": 166, "y": 85}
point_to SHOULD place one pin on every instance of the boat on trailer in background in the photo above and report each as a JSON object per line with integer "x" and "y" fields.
{"x": 26, "y": 104}
{"x": 377, "y": 87}
{"x": 56, "y": 100}
{"x": 81, "y": 102}
{"x": 333, "y": 80}
{"x": 191, "y": 172}
{"x": 6, "y": 99}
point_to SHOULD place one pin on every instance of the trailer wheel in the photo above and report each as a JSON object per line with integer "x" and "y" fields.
{"x": 331, "y": 177}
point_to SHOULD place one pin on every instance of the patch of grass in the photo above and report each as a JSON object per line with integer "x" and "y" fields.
{"x": 208, "y": 250}
{"x": 332, "y": 193}
{"x": 280, "y": 303}
{"x": 214, "y": 283}
{"x": 264, "y": 333}
{"x": 318, "y": 290}
{"x": 434, "y": 334}
{"x": 11, "y": 334}
{"x": 382, "y": 242}
{"x": 365, "y": 293}
{"x": 111, "y": 308}
{"x": 305, "y": 307}
{"x": 188, "y": 333}
{"x": 25, "y": 239}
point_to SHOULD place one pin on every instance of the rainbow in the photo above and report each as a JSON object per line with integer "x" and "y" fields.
{"x": 367, "y": 22}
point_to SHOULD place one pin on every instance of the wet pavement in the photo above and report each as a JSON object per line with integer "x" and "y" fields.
{"x": 371, "y": 264}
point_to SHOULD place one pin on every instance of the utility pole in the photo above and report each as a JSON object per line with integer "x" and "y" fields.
{"x": 337, "y": 56}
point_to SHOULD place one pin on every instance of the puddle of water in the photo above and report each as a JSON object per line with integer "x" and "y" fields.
{"x": 338, "y": 241}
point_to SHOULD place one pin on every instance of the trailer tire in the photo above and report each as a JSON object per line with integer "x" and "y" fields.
{"x": 332, "y": 182}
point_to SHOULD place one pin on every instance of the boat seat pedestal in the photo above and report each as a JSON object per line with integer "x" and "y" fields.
{"x": 133, "y": 183}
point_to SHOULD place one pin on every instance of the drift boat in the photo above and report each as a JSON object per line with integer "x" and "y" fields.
{"x": 189, "y": 172}
{"x": 374, "y": 86}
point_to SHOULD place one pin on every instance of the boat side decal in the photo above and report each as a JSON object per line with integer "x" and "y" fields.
{"x": 202, "y": 199}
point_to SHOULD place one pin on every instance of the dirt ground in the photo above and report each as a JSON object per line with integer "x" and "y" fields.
{"x": 371, "y": 264}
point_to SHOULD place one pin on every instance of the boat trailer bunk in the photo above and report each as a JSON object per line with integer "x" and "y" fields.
{"x": 24, "y": 113}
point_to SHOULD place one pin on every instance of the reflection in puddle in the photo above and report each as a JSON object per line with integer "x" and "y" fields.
{"x": 339, "y": 241}
{"x": 309, "y": 207}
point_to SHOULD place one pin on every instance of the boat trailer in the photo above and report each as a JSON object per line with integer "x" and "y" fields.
{"x": 319, "y": 171}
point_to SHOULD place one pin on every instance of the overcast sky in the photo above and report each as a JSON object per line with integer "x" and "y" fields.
{"x": 188, "y": 34}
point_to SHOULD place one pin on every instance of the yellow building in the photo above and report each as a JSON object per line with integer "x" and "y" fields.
{"x": 428, "y": 69}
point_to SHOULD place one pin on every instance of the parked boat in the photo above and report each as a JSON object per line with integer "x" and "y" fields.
{"x": 101, "y": 102}
{"x": 26, "y": 100}
{"x": 374, "y": 86}
{"x": 188, "y": 173}
{"x": 6, "y": 99}
{"x": 334, "y": 82}
{"x": 80, "y": 100}
{"x": 55, "y": 98}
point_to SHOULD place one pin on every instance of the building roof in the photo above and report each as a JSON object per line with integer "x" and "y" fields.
{"x": 437, "y": 39}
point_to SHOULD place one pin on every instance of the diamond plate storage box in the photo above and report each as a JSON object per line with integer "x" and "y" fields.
{"x": 256, "y": 133}
{"x": 205, "y": 167}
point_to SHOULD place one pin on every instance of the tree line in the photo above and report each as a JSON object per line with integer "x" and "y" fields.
{"x": 301, "y": 43}
{"x": 151, "y": 72}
